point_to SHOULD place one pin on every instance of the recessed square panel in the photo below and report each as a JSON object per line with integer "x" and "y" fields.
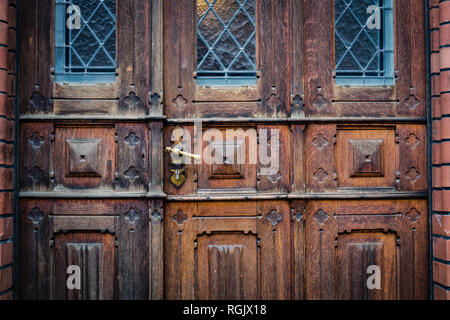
{"x": 230, "y": 168}
{"x": 228, "y": 160}
{"x": 83, "y": 156}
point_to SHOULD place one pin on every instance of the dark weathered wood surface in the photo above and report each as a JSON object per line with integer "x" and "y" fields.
{"x": 96, "y": 184}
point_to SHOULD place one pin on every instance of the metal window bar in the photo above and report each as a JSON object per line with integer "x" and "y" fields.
{"x": 65, "y": 68}
{"x": 384, "y": 49}
{"x": 225, "y": 76}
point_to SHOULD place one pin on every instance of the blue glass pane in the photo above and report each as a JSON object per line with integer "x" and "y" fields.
{"x": 226, "y": 41}
{"x": 364, "y": 50}
{"x": 85, "y": 52}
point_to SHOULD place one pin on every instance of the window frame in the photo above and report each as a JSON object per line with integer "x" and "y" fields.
{"x": 137, "y": 75}
{"x": 226, "y": 81}
{"x": 180, "y": 58}
{"x": 85, "y": 77}
{"x": 325, "y": 98}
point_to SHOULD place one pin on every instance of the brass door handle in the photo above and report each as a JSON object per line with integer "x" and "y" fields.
{"x": 178, "y": 152}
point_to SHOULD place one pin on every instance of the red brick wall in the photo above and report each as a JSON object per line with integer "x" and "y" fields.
{"x": 440, "y": 103}
{"x": 7, "y": 103}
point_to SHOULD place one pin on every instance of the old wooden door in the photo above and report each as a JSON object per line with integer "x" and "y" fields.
{"x": 310, "y": 125}
{"x": 341, "y": 105}
{"x": 90, "y": 189}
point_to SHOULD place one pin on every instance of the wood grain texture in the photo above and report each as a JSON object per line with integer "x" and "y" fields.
{"x": 412, "y": 143}
{"x": 35, "y": 157}
{"x": 133, "y": 56}
{"x": 326, "y": 99}
{"x": 36, "y": 257}
{"x": 156, "y": 246}
{"x": 132, "y": 250}
{"x": 157, "y": 48}
{"x": 366, "y": 158}
{"x": 272, "y": 25}
{"x": 229, "y": 232}
{"x": 297, "y": 103}
{"x": 369, "y": 233}
{"x": 72, "y": 146}
{"x": 132, "y": 172}
{"x": 221, "y": 257}
{"x": 36, "y": 22}
{"x": 320, "y": 158}
{"x": 279, "y": 153}
{"x": 297, "y": 136}
{"x": 178, "y": 57}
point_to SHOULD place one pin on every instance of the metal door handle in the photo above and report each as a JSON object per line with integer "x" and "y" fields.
{"x": 178, "y": 152}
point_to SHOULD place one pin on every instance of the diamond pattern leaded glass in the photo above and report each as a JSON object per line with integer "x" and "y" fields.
{"x": 363, "y": 56}
{"x": 226, "y": 42}
{"x": 86, "y": 53}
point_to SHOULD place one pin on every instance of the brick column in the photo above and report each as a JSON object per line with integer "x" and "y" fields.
{"x": 7, "y": 105}
{"x": 440, "y": 103}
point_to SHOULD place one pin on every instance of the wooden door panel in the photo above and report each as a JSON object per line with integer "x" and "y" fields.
{"x": 366, "y": 158}
{"x": 343, "y": 238}
{"x": 226, "y": 266}
{"x": 194, "y": 245}
{"x": 356, "y": 253}
{"x": 93, "y": 253}
{"x": 231, "y": 166}
{"x": 86, "y": 157}
{"x": 339, "y": 157}
{"x": 35, "y": 156}
{"x": 108, "y": 242}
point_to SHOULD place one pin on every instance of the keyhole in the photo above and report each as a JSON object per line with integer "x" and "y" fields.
{"x": 82, "y": 157}
{"x": 368, "y": 158}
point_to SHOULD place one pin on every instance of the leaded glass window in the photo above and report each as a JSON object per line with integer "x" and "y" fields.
{"x": 364, "y": 42}
{"x": 85, "y": 35}
{"x": 226, "y": 42}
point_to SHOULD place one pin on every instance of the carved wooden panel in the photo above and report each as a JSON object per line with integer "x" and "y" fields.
{"x": 324, "y": 98}
{"x": 223, "y": 257}
{"x": 84, "y": 157}
{"x": 93, "y": 253}
{"x": 132, "y": 157}
{"x": 366, "y": 158}
{"x": 412, "y": 168}
{"x": 356, "y": 253}
{"x": 184, "y": 98}
{"x": 36, "y": 259}
{"x": 35, "y": 155}
{"x": 297, "y": 136}
{"x": 344, "y": 238}
{"x": 273, "y": 172}
{"x": 228, "y": 159}
{"x": 298, "y": 223}
{"x": 229, "y": 265}
{"x": 36, "y": 82}
{"x": 320, "y": 158}
{"x": 133, "y": 249}
{"x": 229, "y": 168}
